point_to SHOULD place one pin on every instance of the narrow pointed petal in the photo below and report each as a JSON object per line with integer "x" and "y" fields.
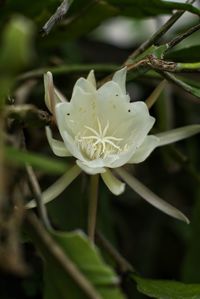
{"x": 52, "y": 95}
{"x": 49, "y": 91}
{"x": 90, "y": 170}
{"x": 59, "y": 96}
{"x": 120, "y": 78}
{"x": 149, "y": 144}
{"x": 58, "y": 187}
{"x": 177, "y": 134}
{"x": 58, "y": 147}
{"x": 150, "y": 197}
{"x": 91, "y": 78}
{"x": 113, "y": 184}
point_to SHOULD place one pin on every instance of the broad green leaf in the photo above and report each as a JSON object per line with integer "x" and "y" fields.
{"x": 19, "y": 157}
{"x": 189, "y": 54}
{"x": 164, "y": 289}
{"x": 87, "y": 259}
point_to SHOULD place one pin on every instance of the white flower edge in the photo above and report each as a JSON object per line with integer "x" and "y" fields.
{"x": 150, "y": 197}
{"x": 113, "y": 184}
{"x": 52, "y": 95}
{"x": 58, "y": 187}
{"x": 58, "y": 147}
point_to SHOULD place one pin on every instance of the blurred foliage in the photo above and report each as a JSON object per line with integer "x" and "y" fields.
{"x": 156, "y": 246}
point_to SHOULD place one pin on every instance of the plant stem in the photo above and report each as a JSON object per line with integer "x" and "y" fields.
{"x": 122, "y": 263}
{"x": 182, "y": 36}
{"x": 157, "y": 35}
{"x": 93, "y": 201}
{"x": 67, "y": 69}
{"x": 35, "y": 187}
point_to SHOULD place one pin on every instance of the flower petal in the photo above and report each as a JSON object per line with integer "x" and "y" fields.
{"x": 49, "y": 90}
{"x": 177, "y": 134}
{"x": 84, "y": 84}
{"x": 58, "y": 147}
{"x": 52, "y": 95}
{"x": 149, "y": 196}
{"x": 66, "y": 133}
{"x": 90, "y": 170}
{"x": 113, "y": 184}
{"x": 149, "y": 144}
{"x": 58, "y": 187}
{"x": 91, "y": 78}
{"x": 120, "y": 78}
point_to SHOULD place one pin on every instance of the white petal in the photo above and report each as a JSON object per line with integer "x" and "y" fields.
{"x": 91, "y": 78}
{"x": 58, "y": 187}
{"x": 62, "y": 110}
{"x": 90, "y": 170}
{"x": 49, "y": 90}
{"x": 177, "y": 134}
{"x": 149, "y": 144}
{"x": 149, "y": 196}
{"x": 52, "y": 94}
{"x": 120, "y": 78}
{"x": 133, "y": 131}
{"x": 85, "y": 85}
{"x": 58, "y": 147}
{"x": 113, "y": 184}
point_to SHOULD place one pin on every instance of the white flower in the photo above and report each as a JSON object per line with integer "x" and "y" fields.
{"x": 103, "y": 130}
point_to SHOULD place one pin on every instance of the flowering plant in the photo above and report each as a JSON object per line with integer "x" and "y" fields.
{"x": 103, "y": 130}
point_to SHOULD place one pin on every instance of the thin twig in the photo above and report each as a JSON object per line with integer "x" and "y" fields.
{"x": 56, "y": 17}
{"x": 182, "y": 36}
{"x": 123, "y": 264}
{"x": 92, "y": 211}
{"x": 35, "y": 187}
{"x": 51, "y": 249}
{"x": 179, "y": 83}
{"x": 157, "y": 35}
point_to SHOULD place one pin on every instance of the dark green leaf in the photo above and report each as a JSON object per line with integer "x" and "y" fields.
{"x": 163, "y": 289}
{"x": 147, "y": 8}
{"x": 189, "y": 54}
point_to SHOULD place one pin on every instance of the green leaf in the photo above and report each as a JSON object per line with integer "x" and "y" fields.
{"x": 190, "y": 86}
{"x": 19, "y": 157}
{"x": 147, "y": 8}
{"x": 87, "y": 259}
{"x": 189, "y": 54}
{"x": 164, "y": 289}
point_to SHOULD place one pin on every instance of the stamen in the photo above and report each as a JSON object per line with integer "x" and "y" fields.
{"x": 98, "y": 145}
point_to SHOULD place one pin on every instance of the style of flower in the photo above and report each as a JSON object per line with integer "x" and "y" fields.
{"x": 103, "y": 131}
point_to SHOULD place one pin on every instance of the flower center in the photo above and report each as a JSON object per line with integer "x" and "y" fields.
{"x": 99, "y": 144}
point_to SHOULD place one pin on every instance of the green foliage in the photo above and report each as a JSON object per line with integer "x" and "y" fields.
{"x": 87, "y": 259}
{"x": 21, "y": 158}
{"x": 17, "y": 49}
{"x": 155, "y": 245}
{"x": 188, "y": 54}
{"x": 163, "y": 289}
